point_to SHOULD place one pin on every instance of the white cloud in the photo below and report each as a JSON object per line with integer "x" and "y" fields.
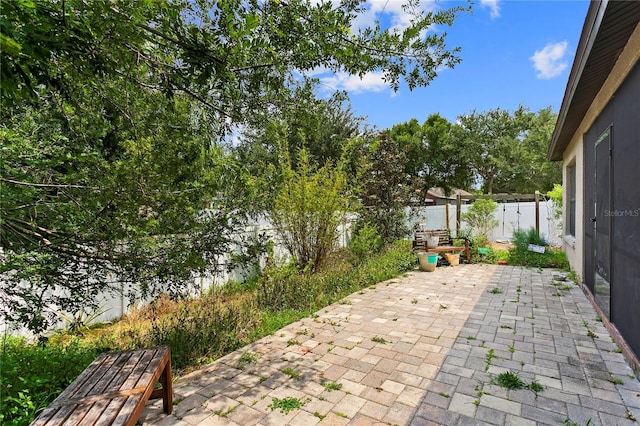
{"x": 398, "y": 17}
{"x": 393, "y": 16}
{"x": 493, "y": 6}
{"x": 370, "y": 82}
{"x": 550, "y": 61}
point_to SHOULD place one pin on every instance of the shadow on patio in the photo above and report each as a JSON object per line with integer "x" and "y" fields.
{"x": 423, "y": 349}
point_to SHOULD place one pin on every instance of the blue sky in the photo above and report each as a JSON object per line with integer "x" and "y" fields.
{"x": 513, "y": 52}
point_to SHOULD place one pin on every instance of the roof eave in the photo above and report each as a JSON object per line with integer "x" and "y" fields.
{"x": 560, "y": 140}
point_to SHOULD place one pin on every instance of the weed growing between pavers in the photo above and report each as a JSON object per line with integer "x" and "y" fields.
{"x": 508, "y": 380}
{"x": 291, "y": 373}
{"x": 488, "y": 358}
{"x": 589, "y": 332}
{"x": 331, "y": 386}
{"x": 569, "y": 422}
{"x": 288, "y": 404}
{"x": 614, "y": 380}
{"x": 226, "y": 413}
{"x": 511, "y": 380}
{"x": 380, "y": 340}
{"x": 246, "y": 359}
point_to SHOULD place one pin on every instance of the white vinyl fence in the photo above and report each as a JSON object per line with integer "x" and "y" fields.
{"x": 511, "y": 217}
{"x": 115, "y": 306}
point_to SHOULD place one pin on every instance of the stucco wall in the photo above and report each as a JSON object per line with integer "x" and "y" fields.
{"x": 574, "y": 247}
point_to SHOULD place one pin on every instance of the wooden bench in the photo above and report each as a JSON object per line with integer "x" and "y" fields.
{"x": 113, "y": 390}
{"x": 445, "y": 242}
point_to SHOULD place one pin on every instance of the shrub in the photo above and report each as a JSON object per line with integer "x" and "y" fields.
{"x": 198, "y": 330}
{"x": 556, "y": 198}
{"x": 520, "y": 254}
{"x": 524, "y": 238}
{"x": 365, "y": 242}
{"x": 32, "y": 376}
{"x": 308, "y": 210}
{"x": 481, "y": 220}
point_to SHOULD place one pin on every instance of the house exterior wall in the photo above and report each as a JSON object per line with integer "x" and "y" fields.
{"x": 616, "y": 107}
{"x": 573, "y": 244}
{"x": 574, "y": 153}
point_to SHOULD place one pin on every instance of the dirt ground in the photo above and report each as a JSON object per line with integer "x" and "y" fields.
{"x": 500, "y": 246}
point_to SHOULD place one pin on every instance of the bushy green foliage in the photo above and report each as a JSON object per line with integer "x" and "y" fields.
{"x": 524, "y": 238}
{"x": 198, "y": 330}
{"x": 507, "y": 150}
{"x": 480, "y": 217}
{"x": 31, "y": 376}
{"x": 520, "y": 254}
{"x": 556, "y": 198}
{"x": 308, "y": 210}
{"x": 364, "y": 242}
{"x": 386, "y": 189}
{"x": 286, "y": 288}
{"x": 434, "y": 157}
{"x": 112, "y": 121}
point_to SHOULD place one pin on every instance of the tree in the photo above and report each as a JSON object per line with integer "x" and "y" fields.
{"x": 434, "y": 159}
{"x": 539, "y": 174}
{"x": 320, "y": 127}
{"x": 507, "y": 150}
{"x": 385, "y": 187}
{"x": 111, "y": 115}
{"x": 235, "y": 57}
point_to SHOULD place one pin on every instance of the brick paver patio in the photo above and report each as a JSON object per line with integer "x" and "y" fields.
{"x": 427, "y": 348}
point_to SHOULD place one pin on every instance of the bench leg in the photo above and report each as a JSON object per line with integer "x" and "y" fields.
{"x": 167, "y": 391}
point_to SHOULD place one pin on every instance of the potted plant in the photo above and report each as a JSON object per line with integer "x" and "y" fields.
{"x": 432, "y": 240}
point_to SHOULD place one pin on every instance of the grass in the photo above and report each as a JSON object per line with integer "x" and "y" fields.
{"x": 488, "y": 359}
{"x": 331, "y": 386}
{"x": 291, "y": 373}
{"x": 288, "y": 404}
{"x": 199, "y": 330}
{"x": 32, "y": 375}
{"x": 246, "y": 359}
{"x": 509, "y": 380}
{"x": 380, "y": 340}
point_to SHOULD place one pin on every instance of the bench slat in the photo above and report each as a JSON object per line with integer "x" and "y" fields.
{"x": 112, "y": 410}
{"x": 95, "y": 412}
{"x": 113, "y": 389}
{"x": 131, "y": 381}
{"x": 120, "y": 378}
{"x": 83, "y": 379}
{"x": 107, "y": 377}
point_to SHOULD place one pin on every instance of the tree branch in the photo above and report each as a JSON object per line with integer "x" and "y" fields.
{"x": 50, "y": 185}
